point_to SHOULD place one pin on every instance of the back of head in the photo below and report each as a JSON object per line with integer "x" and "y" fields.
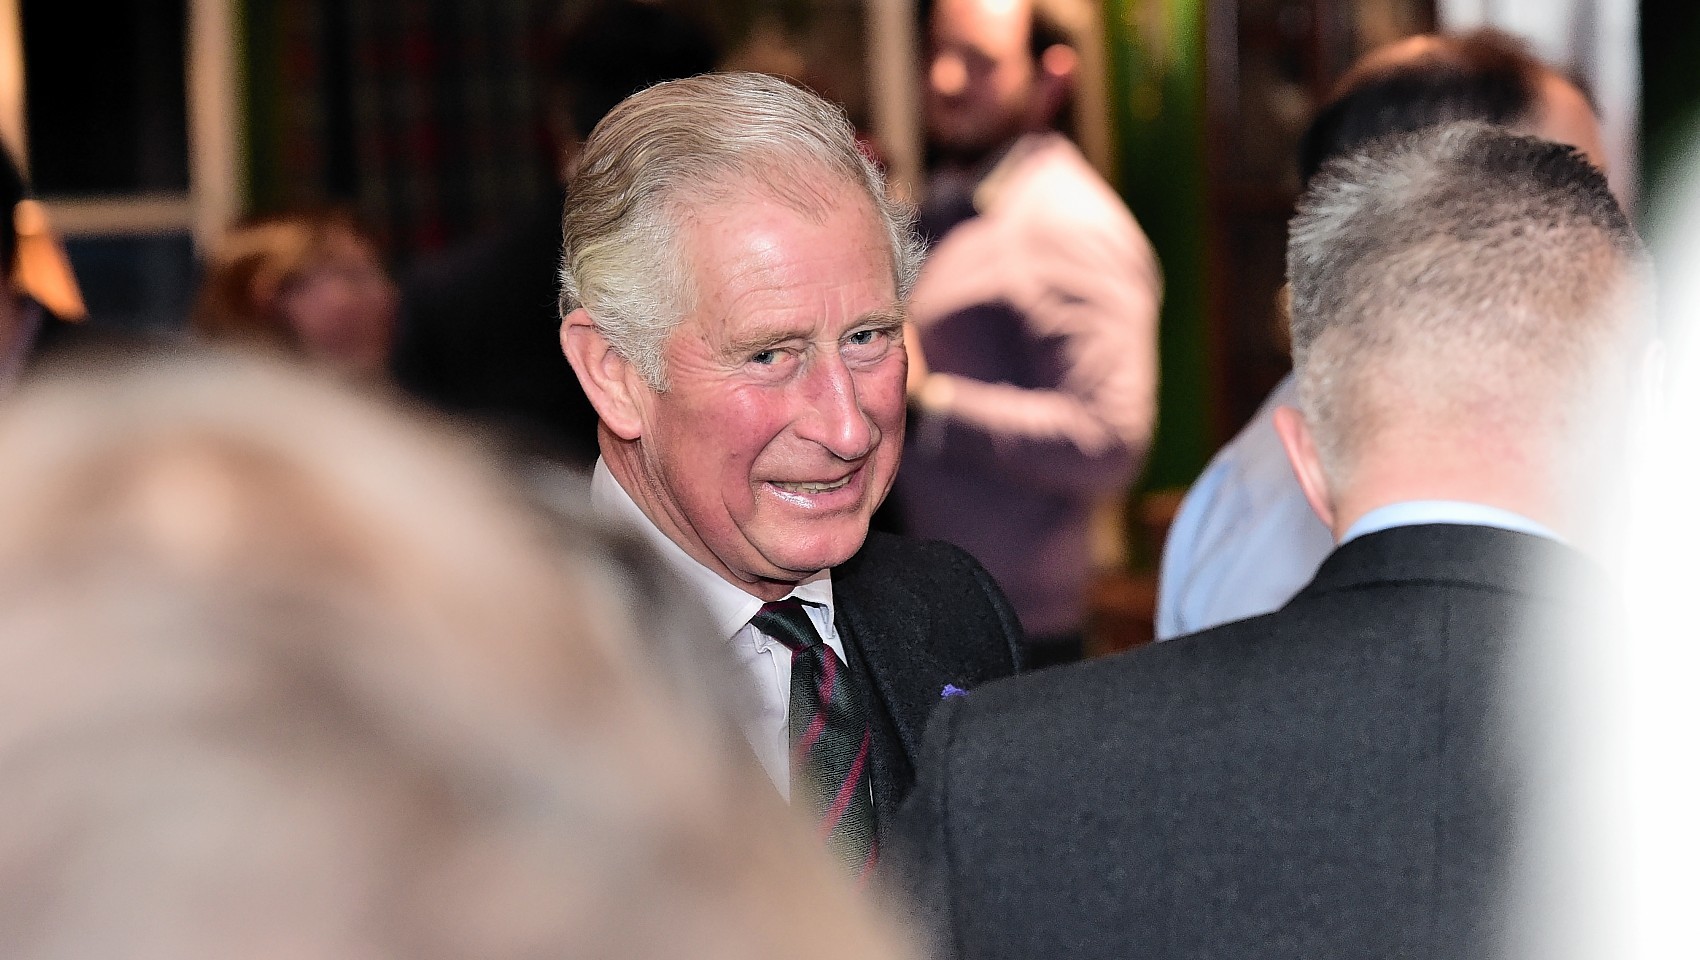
{"x": 290, "y": 674}
{"x": 681, "y": 145}
{"x": 1484, "y": 76}
{"x": 1462, "y": 283}
{"x": 613, "y": 48}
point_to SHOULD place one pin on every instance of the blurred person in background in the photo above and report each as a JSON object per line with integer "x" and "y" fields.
{"x": 479, "y": 322}
{"x": 732, "y": 301}
{"x": 290, "y": 673}
{"x": 1344, "y": 777}
{"x": 1244, "y": 540}
{"x": 310, "y": 285}
{"x": 1034, "y": 388}
{"x": 39, "y": 296}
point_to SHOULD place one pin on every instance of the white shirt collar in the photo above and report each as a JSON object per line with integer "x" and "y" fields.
{"x": 729, "y": 606}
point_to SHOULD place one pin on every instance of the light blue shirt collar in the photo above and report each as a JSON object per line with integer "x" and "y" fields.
{"x": 1413, "y": 512}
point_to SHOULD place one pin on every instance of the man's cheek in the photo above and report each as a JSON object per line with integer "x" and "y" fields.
{"x": 735, "y": 443}
{"x": 883, "y": 395}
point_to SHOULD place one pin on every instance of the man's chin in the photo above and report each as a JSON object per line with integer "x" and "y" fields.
{"x": 796, "y": 565}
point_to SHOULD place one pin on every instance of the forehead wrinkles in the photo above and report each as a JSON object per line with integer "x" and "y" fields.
{"x": 775, "y": 306}
{"x": 760, "y": 254}
{"x": 808, "y": 187}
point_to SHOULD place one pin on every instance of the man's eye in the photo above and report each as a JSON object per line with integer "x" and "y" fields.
{"x": 766, "y": 357}
{"x": 869, "y": 344}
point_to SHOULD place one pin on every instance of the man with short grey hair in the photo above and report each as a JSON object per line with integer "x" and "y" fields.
{"x": 1397, "y": 389}
{"x": 733, "y": 289}
{"x": 1244, "y": 540}
{"x": 1336, "y": 778}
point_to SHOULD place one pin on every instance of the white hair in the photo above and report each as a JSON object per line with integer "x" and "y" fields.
{"x": 677, "y": 145}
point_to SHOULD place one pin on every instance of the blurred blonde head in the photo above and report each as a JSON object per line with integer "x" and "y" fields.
{"x": 310, "y": 284}
{"x": 290, "y": 674}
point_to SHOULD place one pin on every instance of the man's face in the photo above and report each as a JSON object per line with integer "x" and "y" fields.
{"x": 981, "y": 81}
{"x": 780, "y": 430}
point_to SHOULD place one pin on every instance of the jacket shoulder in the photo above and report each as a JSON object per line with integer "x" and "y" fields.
{"x": 941, "y": 574}
{"x": 904, "y": 581}
{"x": 886, "y": 554}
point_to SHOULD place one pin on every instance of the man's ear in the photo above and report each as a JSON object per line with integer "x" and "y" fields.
{"x": 1307, "y": 465}
{"x": 609, "y": 380}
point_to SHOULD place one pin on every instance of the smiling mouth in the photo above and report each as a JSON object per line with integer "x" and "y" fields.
{"x": 809, "y": 488}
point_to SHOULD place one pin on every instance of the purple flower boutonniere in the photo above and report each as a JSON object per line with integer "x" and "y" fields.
{"x": 952, "y": 690}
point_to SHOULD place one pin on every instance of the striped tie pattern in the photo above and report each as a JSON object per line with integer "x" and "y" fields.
{"x": 830, "y": 736}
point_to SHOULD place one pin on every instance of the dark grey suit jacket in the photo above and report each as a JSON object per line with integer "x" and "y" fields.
{"x": 917, "y": 616}
{"x": 1329, "y": 780}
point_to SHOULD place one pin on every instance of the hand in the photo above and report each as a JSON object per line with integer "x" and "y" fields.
{"x": 917, "y": 360}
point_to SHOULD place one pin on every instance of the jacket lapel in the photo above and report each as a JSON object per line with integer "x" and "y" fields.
{"x": 902, "y": 680}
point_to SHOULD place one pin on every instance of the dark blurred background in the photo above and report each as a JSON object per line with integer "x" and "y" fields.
{"x": 151, "y": 125}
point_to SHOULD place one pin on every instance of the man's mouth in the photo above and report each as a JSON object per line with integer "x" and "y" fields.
{"x": 811, "y": 488}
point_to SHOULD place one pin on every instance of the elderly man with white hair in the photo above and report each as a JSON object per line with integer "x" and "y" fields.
{"x": 733, "y": 290}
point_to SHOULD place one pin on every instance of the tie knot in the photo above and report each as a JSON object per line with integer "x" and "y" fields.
{"x": 788, "y": 622}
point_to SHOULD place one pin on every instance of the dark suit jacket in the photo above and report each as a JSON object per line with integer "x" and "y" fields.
{"x": 916, "y": 617}
{"x": 1329, "y": 780}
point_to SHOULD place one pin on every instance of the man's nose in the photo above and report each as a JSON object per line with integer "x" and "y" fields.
{"x": 948, "y": 74}
{"x": 834, "y": 417}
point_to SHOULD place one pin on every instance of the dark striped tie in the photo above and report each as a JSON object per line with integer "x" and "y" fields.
{"x": 830, "y": 737}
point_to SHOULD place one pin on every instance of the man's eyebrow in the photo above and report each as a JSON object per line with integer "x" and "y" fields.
{"x": 757, "y": 342}
{"x": 889, "y": 317}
